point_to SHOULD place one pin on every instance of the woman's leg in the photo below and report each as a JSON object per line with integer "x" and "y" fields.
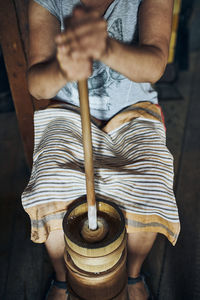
{"x": 55, "y": 248}
{"x": 139, "y": 245}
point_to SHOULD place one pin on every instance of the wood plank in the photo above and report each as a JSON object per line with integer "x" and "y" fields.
{"x": 175, "y": 113}
{"x": 7, "y": 210}
{"x": 21, "y": 8}
{"x": 14, "y": 172}
{"x": 25, "y": 267}
{"x": 13, "y": 176}
{"x": 29, "y": 267}
{"x": 181, "y": 270}
{"x": 16, "y": 69}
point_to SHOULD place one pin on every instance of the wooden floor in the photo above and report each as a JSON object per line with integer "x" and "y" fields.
{"x": 22, "y": 263}
{"x": 173, "y": 272}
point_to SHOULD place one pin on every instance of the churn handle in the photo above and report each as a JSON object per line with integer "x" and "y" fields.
{"x": 88, "y": 155}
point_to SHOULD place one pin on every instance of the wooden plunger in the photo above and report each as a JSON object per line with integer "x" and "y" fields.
{"x": 93, "y": 229}
{"x": 88, "y": 155}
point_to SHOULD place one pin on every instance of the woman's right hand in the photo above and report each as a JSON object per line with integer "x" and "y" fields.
{"x": 71, "y": 67}
{"x": 55, "y": 57}
{"x": 74, "y": 65}
{"x": 84, "y": 40}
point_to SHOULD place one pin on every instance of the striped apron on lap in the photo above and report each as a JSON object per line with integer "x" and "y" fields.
{"x": 132, "y": 168}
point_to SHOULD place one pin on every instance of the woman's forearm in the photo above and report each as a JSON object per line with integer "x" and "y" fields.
{"x": 45, "y": 79}
{"x": 139, "y": 63}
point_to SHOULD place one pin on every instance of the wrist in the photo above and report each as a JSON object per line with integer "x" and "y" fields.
{"x": 63, "y": 78}
{"x": 107, "y": 54}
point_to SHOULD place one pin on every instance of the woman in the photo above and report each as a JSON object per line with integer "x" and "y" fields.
{"x": 122, "y": 46}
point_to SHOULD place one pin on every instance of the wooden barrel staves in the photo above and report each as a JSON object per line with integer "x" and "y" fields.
{"x": 95, "y": 270}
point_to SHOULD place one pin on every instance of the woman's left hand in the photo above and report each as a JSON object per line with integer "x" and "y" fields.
{"x": 85, "y": 35}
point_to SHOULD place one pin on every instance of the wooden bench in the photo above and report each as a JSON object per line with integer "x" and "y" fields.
{"x": 14, "y": 44}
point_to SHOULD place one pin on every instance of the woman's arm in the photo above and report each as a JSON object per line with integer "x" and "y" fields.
{"x": 48, "y": 69}
{"x": 44, "y": 78}
{"x": 147, "y": 61}
{"x": 56, "y": 58}
{"x": 142, "y": 63}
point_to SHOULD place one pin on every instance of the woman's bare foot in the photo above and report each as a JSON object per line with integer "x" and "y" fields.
{"x": 57, "y": 294}
{"x": 137, "y": 291}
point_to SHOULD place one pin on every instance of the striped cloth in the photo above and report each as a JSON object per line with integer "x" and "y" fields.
{"x": 132, "y": 168}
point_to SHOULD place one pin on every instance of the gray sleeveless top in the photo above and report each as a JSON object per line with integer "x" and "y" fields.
{"x": 109, "y": 91}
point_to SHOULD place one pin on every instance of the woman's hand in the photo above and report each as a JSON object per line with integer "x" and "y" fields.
{"x": 84, "y": 40}
{"x": 52, "y": 64}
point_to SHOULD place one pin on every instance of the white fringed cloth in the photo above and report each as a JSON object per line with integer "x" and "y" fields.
{"x": 132, "y": 167}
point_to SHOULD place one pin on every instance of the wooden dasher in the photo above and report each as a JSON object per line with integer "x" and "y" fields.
{"x": 95, "y": 234}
